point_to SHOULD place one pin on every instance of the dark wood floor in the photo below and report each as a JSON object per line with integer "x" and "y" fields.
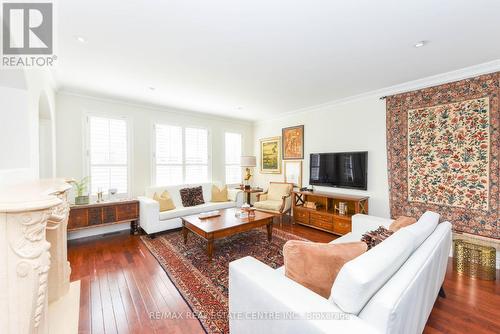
{"x": 122, "y": 283}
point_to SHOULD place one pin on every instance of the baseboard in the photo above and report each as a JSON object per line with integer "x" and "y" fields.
{"x": 98, "y": 230}
{"x": 64, "y": 313}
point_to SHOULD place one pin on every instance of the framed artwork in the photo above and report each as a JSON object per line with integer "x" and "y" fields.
{"x": 293, "y": 172}
{"x": 293, "y": 142}
{"x": 270, "y": 155}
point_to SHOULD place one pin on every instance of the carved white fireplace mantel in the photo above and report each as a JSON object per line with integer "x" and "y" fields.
{"x": 56, "y": 235}
{"x": 33, "y": 254}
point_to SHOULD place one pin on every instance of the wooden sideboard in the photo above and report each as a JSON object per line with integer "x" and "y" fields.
{"x": 104, "y": 213}
{"x": 325, "y": 217}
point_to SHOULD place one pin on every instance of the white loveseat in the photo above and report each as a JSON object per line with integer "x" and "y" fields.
{"x": 152, "y": 220}
{"x": 389, "y": 289}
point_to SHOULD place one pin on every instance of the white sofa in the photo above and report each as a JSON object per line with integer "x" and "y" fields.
{"x": 152, "y": 220}
{"x": 389, "y": 289}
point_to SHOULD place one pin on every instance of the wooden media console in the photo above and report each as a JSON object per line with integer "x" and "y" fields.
{"x": 325, "y": 215}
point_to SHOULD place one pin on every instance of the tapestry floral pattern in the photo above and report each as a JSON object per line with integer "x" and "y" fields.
{"x": 448, "y": 154}
{"x": 458, "y": 157}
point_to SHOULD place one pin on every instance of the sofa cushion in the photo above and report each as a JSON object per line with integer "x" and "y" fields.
{"x": 423, "y": 227}
{"x": 182, "y": 211}
{"x": 173, "y": 190}
{"x": 269, "y": 205}
{"x": 349, "y": 237}
{"x": 361, "y": 278}
{"x": 165, "y": 201}
{"x": 179, "y": 212}
{"x": 218, "y": 194}
{"x": 401, "y": 222}
{"x": 276, "y": 191}
{"x": 192, "y": 196}
{"x": 316, "y": 265}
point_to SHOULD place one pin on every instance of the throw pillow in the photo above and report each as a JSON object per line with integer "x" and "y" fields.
{"x": 219, "y": 195}
{"x": 401, "y": 222}
{"x": 316, "y": 265}
{"x": 192, "y": 196}
{"x": 373, "y": 238}
{"x": 166, "y": 202}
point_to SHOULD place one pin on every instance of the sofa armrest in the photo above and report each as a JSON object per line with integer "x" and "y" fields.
{"x": 149, "y": 213}
{"x": 261, "y": 196}
{"x": 236, "y": 195}
{"x": 363, "y": 223}
{"x": 287, "y": 203}
{"x": 263, "y": 300}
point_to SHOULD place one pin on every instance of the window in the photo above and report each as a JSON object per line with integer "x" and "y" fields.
{"x": 181, "y": 155}
{"x": 108, "y": 154}
{"x": 168, "y": 154}
{"x": 196, "y": 161}
{"x": 233, "y": 156}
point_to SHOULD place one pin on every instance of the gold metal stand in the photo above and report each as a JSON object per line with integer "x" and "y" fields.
{"x": 474, "y": 260}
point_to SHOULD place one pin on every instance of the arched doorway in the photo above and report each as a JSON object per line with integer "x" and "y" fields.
{"x": 45, "y": 138}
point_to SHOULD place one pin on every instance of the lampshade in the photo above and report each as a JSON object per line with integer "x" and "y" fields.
{"x": 248, "y": 161}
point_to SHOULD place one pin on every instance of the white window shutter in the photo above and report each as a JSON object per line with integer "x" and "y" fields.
{"x": 196, "y": 141}
{"x": 168, "y": 154}
{"x": 108, "y": 154}
{"x": 181, "y": 155}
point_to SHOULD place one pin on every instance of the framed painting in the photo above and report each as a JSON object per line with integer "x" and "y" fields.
{"x": 270, "y": 155}
{"x": 293, "y": 142}
{"x": 293, "y": 172}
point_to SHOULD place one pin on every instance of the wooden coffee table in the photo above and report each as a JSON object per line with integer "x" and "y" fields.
{"x": 225, "y": 225}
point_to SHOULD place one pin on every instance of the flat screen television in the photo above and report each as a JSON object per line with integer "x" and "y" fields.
{"x": 340, "y": 170}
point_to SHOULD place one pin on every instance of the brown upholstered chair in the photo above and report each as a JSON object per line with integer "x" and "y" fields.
{"x": 277, "y": 199}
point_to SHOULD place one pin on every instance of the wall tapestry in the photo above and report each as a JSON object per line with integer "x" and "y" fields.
{"x": 443, "y": 148}
{"x": 448, "y": 154}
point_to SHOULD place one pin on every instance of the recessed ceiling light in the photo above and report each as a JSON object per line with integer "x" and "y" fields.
{"x": 239, "y": 108}
{"x": 420, "y": 44}
{"x": 81, "y": 39}
{"x": 151, "y": 88}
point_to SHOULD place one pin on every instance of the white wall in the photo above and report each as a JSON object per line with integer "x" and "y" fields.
{"x": 71, "y": 111}
{"x": 45, "y": 162}
{"x": 20, "y": 92}
{"x": 358, "y": 125}
{"x": 14, "y": 120}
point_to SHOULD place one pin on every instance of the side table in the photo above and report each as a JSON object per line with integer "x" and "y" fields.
{"x": 249, "y": 192}
{"x": 474, "y": 260}
{"x": 105, "y": 213}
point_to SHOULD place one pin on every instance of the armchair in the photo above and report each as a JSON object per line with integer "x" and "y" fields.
{"x": 277, "y": 199}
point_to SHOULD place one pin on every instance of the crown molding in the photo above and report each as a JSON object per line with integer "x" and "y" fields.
{"x": 438, "y": 79}
{"x": 426, "y": 82}
{"x": 152, "y": 107}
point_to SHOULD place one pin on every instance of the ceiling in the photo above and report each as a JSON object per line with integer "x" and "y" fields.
{"x": 254, "y": 59}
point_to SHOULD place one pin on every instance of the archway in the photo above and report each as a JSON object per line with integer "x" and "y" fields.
{"x": 45, "y": 138}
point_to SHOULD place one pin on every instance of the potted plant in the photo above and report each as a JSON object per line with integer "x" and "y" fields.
{"x": 81, "y": 197}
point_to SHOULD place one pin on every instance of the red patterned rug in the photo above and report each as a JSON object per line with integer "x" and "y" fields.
{"x": 203, "y": 283}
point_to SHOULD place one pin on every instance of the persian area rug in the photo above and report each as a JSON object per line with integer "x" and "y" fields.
{"x": 203, "y": 283}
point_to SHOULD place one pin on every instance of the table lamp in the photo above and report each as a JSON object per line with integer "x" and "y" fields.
{"x": 248, "y": 161}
